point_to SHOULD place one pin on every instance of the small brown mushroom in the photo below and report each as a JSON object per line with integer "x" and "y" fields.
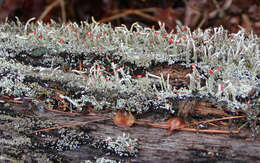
{"x": 124, "y": 119}
{"x": 175, "y": 123}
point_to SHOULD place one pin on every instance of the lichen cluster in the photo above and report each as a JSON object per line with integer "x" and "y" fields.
{"x": 109, "y": 67}
{"x": 123, "y": 146}
{"x": 102, "y": 160}
{"x": 14, "y": 137}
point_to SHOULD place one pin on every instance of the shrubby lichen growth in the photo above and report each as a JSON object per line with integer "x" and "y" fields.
{"x": 109, "y": 67}
{"x": 102, "y": 160}
{"x": 123, "y": 146}
{"x": 15, "y": 142}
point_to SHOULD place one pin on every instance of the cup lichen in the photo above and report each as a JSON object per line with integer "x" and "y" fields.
{"x": 100, "y": 64}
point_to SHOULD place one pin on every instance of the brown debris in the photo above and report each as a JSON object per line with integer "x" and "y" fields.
{"x": 177, "y": 73}
{"x": 186, "y": 108}
{"x": 125, "y": 119}
{"x": 193, "y": 106}
{"x": 204, "y": 108}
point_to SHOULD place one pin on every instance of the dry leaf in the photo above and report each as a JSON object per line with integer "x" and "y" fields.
{"x": 124, "y": 119}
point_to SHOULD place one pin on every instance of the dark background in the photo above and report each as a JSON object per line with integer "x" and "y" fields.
{"x": 194, "y": 13}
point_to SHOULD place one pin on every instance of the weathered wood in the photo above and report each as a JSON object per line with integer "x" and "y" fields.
{"x": 155, "y": 145}
{"x": 187, "y": 80}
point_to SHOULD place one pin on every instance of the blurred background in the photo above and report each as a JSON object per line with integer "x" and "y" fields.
{"x": 195, "y": 13}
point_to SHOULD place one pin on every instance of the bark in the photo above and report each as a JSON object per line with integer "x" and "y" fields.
{"x": 155, "y": 145}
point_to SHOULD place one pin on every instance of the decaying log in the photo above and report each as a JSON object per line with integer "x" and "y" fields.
{"x": 155, "y": 145}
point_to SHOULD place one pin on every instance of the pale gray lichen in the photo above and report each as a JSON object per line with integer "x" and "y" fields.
{"x": 105, "y": 160}
{"x": 102, "y": 160}
{"x": 123, "y": 146}
{"x": 109, "y": 67}
{"x": 111, "y": 56}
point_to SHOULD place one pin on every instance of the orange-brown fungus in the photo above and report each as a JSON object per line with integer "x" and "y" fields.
{"x": 124, "y": 119}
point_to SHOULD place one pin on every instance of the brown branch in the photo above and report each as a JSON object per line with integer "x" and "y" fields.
{"x": 63, "y": 11}
{"x": 69, "y": 125}
{"x": 51, "y": 6}
{"x": 247, "y": 22}
{"x": 144, "y": 15}
{"x": 218, "y": 119}
{"x": 182, "y": 128}
{"x": 210, "y": 131}
{"x": 129, "y": 12}
{"x": 116, "y": 16}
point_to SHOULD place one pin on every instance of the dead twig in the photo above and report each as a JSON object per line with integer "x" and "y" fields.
{"x": 183, "y": 128}
{"x": 69, "y": 125}
{"x": 130, "y": 12}
{"x": 8, "y": 99}
{"x": 218, "y": 119}
{"x": 63, "y": 11}
{"x": 53, "y": 5}
{"x": 247, "y": 22}
{"x": 210, "y": 131}
{"x": 63, "y": 112}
